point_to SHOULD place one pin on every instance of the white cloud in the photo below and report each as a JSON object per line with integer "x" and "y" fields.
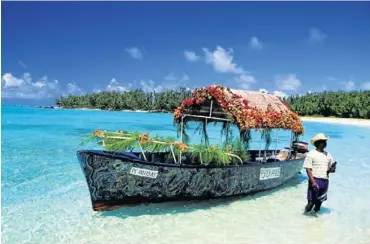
{"x": 191, "y": 56}
{"x": 365, "y": 85}
{"x": 279, "y": 94}
{"x": 24, "y": 88}
{"x": 222, "y": 60}
{"x": 289, "y": 82}
{"x": 276, "y": 93}
{"x": 135, "y": 53}
{"x": 74, "y": 89}
{"x": 11, "y": 81}
{"x": 150, "y": 86}
{"x": 96, "y": 90}
{"x": 40, "y": 83}
{"x": 316, "y": 35}
{"x": 244, "y": 81}
{"x": 263, "y": 90}
{"x": 349, "y": 85}
{"x": 255, "y": 44}
{"x": 115, "y": 86}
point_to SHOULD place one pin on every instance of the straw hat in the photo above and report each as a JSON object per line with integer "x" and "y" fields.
{"x": 319, "y": 137}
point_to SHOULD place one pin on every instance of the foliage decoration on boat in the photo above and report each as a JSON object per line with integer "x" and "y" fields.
{"x": 239, "y": 110}
{"x": 123, "y": 140}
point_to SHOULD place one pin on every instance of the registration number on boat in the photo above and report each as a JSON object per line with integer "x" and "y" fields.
{"x": 144, "y": 172}
{"x": 269, "y": 173}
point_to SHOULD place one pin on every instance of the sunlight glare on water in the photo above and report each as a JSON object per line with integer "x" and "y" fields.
{"x": 45, "y": 197}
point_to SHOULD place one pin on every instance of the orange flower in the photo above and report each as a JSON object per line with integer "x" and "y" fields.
{"x": 97, "y": 132}
{"x": 181, "y": 146}
{"x": 143, "y": 138}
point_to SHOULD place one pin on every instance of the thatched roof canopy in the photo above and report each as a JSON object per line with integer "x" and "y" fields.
{"x": 262, "y": 100}
{"x": 247, "y": 109}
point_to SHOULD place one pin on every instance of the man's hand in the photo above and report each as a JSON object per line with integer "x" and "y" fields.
{"x": 315, "y": 185}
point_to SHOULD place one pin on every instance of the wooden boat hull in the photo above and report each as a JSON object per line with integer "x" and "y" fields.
{"x": 122, "y": 179}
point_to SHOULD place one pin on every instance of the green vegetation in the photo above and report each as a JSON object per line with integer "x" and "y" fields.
{"x": 341, "y": 104}
{"x": 166, "y": 101}
{"x": 207, "y": 155}
{"x": 354, "y": 104}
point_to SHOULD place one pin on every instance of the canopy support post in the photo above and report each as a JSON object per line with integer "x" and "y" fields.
{"x": 259, "y": 152}
{"x": 210, "y": 109}
{"x": 276, "y": 143}
{"x": 290, "y": 145}
{"x": 142, "y": 151}
{"x": 182, "y": 126}
{"x": 173, "y": 154}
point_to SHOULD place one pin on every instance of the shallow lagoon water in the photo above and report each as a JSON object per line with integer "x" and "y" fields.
{"x": 45, "y": 197}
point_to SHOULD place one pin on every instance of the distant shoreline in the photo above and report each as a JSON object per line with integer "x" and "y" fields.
{"x": 98, "y": 109}
{"x": 342, "y": 121}
{"x": 330, "y": 120}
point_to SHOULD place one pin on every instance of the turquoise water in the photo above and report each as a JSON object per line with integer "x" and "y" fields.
{"x": 45, "y": 198}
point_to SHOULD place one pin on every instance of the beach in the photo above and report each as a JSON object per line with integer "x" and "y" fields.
{"x": 342, "y": 121}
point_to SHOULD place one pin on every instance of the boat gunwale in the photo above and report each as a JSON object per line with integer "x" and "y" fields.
{"x": 120, "y": 155}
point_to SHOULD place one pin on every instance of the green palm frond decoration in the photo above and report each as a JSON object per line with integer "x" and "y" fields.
{"x": 238, "y": 148}
{"x": 211, "y": 155}
{"x": 203, "y": 153}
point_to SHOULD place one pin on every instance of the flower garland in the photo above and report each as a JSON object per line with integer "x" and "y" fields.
{"x": 242, "y": 114}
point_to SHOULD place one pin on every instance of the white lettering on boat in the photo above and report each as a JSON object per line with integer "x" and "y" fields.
{"x": 269, "y": 173}
{"x": 144, "y": 172}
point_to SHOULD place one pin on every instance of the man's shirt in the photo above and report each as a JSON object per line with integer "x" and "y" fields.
{"x": 319, "y": 163}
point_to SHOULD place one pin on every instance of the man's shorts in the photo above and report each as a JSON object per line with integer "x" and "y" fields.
{"x": 320, "y": 194}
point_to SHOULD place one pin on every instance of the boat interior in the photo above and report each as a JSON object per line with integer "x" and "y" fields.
{"x": 254, "y": 156}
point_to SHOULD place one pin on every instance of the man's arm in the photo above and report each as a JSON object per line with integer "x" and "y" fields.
{"x": 312, "y": 180}
{"x": 331, "y": 167}
{"x": 308, "y": 166}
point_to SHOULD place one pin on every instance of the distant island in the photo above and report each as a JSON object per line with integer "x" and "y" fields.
{"x": 339, "y": 104}
{"x": 135, "y": 100}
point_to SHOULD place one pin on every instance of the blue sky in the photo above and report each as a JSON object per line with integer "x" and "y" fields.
{"x": 51, "y": 49}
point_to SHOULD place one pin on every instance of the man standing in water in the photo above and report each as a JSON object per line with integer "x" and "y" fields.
{"x": 318, "y": 165}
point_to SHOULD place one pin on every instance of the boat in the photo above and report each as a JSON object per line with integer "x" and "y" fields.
{"x": 134, "y": 168}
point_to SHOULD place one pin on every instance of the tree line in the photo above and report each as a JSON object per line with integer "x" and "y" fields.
{"x": 355, "y": 104}
{"x": 166, "y": 101}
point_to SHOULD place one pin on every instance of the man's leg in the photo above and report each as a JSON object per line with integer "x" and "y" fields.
{"x": 310, "y": 198}
{"x": 322, "y": 194}
{"x": 317, "y": 206}
{"x": 308, "y": 207}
